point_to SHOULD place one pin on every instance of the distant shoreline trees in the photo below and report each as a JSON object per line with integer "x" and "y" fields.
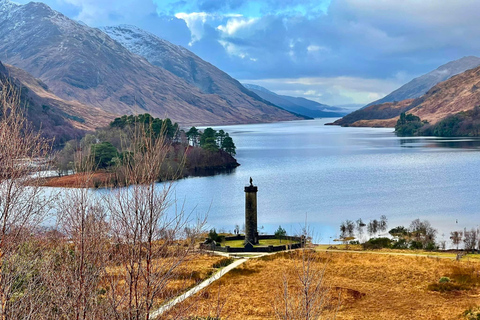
{"x": 109, "y": 148}
{"x": 461, "y": 124}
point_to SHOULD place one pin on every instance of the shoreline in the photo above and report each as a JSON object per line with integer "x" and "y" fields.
{"x": 107, "y": 179}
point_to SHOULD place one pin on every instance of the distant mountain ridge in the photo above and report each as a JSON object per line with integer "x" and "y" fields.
{"x": 457, "y": 94}
{"x": 297, "y": 104}
{"x": 419, "y": 86}
{"x": 84, "y": 64}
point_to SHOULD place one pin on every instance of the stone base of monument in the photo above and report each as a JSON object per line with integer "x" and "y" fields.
{"x": 294, "y": 243}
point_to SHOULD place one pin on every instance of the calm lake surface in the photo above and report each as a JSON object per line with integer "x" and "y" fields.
{"x": 306, "y": 171}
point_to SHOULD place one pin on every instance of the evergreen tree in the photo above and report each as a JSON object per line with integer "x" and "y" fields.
{"x": 228, "y": 145}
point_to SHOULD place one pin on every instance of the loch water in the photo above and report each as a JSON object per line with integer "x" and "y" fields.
{"x": 307, "y": 172}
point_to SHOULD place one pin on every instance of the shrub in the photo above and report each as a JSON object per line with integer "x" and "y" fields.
{"x": 377, "y": 243}
{"x": 416, "y": 245}
{"x": 430, "y": 246}
{"x": 461, "y": 278}
{"x": 446, "y": 287}
{"x": 444, "y": 280}
{"x": 214, "y": 236}
{"x": 222, "y": 263}
{"x": 400, "y": 244}
{"x": 472, "y": 313}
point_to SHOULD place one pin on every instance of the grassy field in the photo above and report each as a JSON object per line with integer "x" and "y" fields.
{"x": 370, "y": 286}
{"x": 453, "y": 255}
{"x": 262, "y": 243}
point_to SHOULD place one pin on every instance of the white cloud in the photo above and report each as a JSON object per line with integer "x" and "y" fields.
{"x": 195, "y": 22}
{"x": 234, "y": 24}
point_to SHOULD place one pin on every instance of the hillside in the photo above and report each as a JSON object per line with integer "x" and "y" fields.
{"x": 296, "y": 104}
{"x": 457, "y": 94}
{"x": 380, "y": 115}
{"x": 84, "y": 64}
{"x": 419, "y": 86}
{"x": 57, "y": 118}
{"x": 182, "y": 63}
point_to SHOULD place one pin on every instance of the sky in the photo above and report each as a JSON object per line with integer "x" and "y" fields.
{"x": 333, "y": 51}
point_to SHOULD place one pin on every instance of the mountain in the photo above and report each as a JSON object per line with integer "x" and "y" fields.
{"x": 57, "y": 118}
{"x": 179, "y": 61}
{"x": 84, "y": 64}
{"x": 457, "y": 94}
{"x": 379, "y": 115}
{"x": 419, "y": 86}
{"x": 298, "y": 105}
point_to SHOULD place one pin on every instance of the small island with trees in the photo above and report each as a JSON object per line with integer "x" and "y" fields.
{"x": 186, "y": 153}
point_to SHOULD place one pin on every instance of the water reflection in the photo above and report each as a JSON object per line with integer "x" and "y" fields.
{"x": 435, "y": 142}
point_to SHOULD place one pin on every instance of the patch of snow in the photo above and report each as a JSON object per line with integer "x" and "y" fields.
{"x": 143, "y": 43}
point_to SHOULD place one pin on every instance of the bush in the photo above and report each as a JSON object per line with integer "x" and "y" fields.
{"x": 446, "y": 287}
{"x": 214, "y": 236}
{"x": 416, "y": 245}
{"x": 444, "y": 280}
{"x": 400, "y": 244}
{"x": 461, "y": 278}
{"x": 377, "y": 243}
{"x": 222, "y": 263}
{"x": 430, "y": 246}
{"x": 472, "y": 314}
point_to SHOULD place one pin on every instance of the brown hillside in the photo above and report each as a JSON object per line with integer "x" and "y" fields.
{"x": 380, "y": 115}
{"x": 39, "y": 93}
{"x": 459, "y": 93}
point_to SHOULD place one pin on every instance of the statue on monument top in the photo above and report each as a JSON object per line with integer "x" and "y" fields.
{"x": 251, "y": 182}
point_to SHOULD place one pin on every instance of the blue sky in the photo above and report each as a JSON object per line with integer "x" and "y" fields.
{"x": 333, "y": 51}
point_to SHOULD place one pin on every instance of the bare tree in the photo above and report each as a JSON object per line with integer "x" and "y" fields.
{"x": 470, "y": 240}
{"x": 22, "y": 202}
{"x": 303, "y": 295}
{"x": 82, "y": 219}
{"x": 146, "y": 238}
{"x": 372, "y": 227}
{"x": 360, "y": 227}
{"x": 383, "y": 224}
{"x": 456, "y": 237}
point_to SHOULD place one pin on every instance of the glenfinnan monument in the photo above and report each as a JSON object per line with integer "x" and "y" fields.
{"x": 251, "y": 231}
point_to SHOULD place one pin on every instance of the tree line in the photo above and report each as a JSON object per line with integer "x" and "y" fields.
{"x": 418, "y": 235}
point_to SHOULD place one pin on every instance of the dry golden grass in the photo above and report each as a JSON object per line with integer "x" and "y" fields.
{"x": 98, "y": 179}
{"x": 371, "y": 287}
{"x": 196, "y": 268}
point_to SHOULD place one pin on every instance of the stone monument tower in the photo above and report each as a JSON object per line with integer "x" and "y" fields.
{"x": 251, "y": 233}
